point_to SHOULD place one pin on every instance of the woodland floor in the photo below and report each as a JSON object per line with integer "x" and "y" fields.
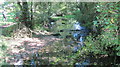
{"x": 25, "y": 48}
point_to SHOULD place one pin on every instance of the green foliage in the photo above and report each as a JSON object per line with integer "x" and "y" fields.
{"x": 3, "y": 49}
{"x": 102, "y": 43}
{"x": 3, "y": 46}
{"x": 39, "y": 27}
{"x": 85, "y": 13}
{"x": 69, "y": 16}
{"x": 9, "y": 8}
{"x": 107, "y": 41}
{"x": 7, "y": 31}
{"x": 66, "y": 26}
{"x": 118, "y": 49}
{"x": 56, "y": 18}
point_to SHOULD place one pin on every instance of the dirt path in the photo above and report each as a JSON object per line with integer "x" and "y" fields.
{"x": 25, "y": 48}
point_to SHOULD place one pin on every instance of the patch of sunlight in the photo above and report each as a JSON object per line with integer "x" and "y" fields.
{"x": 40, "y": 45}
{"x": 0, "y": 41}
{"x": 23, "y": 49}
{"x": 15, "y": 51}
{"x": 53, "y": 58}
{"x": 2, "y": 2}
{"x": 6, "y": 22}
{"x": 14, "y": 43}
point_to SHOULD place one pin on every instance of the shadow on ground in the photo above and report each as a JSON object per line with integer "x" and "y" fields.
{"x": 26, "y": 48}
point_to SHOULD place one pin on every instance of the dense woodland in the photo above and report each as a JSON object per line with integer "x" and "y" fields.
{"x": 41, "y": 33}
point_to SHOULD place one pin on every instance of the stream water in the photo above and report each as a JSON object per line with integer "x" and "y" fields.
{"x": 79, "y": 34}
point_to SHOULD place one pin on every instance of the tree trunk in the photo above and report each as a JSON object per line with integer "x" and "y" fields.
{"x": 25, "y": 17}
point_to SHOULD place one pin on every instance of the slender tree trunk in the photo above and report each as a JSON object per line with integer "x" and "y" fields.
{"x": 31, "y": 19}
{"x": 25, "y": 17}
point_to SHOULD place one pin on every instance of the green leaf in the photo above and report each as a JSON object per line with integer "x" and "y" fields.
{"x": 69, "y": 16}
{"x": 98, "y": 10}
{"x": 106, "y": 22}
{"x": 118, "y": 48}
{"x": 95, "y": 22}
{"x": 118, "y": 53}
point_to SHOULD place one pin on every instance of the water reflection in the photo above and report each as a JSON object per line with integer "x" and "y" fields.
{"x": 83, "y": 64}
{"x": 79, "y": 35}
{"x": 32, "y": 63}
